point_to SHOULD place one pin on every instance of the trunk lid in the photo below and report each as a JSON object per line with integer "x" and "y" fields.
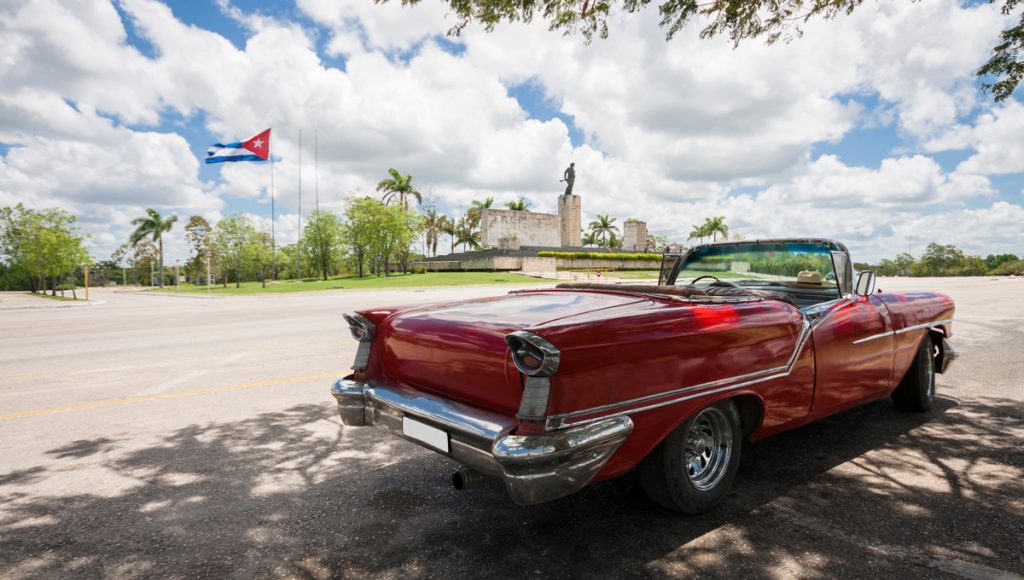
{"x": 458, "y": 349}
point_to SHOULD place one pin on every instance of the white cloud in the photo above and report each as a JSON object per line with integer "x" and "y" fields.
{"x": 672, "y": 128}
{"x": 359, "y": 25}
{"x": 998, "y": 139}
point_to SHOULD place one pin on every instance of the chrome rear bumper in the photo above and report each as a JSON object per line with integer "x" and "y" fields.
{"x": 534, "y": 468}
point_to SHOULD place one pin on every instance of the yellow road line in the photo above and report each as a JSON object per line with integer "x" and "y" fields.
{"x": 175, "y": 395}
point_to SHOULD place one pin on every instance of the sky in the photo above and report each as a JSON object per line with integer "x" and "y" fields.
{"x": 870, "y": 129}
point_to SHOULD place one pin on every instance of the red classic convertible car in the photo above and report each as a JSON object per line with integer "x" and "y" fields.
{"x": 552, "y": 390}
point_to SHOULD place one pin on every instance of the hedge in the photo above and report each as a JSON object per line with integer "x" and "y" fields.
{"x": 600, "y": 256}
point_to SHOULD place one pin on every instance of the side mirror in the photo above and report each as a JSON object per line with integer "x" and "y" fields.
{"x": 865, "y": 283}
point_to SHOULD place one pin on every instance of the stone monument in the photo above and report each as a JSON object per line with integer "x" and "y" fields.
{"x": 570, "y": 214}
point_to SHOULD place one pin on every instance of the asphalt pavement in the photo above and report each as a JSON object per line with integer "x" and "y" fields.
{"x": 186, "y": 436}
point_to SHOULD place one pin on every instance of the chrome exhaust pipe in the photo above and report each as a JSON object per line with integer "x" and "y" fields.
{"x": 465, "y": 478}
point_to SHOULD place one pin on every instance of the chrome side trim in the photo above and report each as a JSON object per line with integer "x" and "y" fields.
{"x": 826, "y": 310}
{"x": 924, "y": 325}
{"x": 875, "y": 337}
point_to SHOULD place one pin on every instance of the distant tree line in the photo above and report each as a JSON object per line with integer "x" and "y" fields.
{"x": 947, "y": 260}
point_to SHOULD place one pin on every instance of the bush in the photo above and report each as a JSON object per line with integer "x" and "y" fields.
{"x": 600, "y": 256}
{"x": 1015, "y": 268}
{"x": 14, "y": 278}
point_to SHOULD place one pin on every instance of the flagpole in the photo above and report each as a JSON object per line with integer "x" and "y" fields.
{"x": 316, "y": 189}
{"x": 273, "y": 217}
{"x": 298, "y": 242}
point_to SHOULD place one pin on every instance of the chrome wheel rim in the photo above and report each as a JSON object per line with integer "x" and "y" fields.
{"x": 708, "y": 448}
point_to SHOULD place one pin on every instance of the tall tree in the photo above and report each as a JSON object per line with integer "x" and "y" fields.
{"x": 739, "y": 19}
{"x": 259, "y": 255}
{"x": 360, "y": 230}
{"x": 197, "y": 234}
{"x": 322, "y": 242}
{"x": 604, "y": 230}
{"x": 518, "y": 205}
{"x": 398, "y": 188}
{"x": 232, "y": 237}
{"x": 153, "y": 225}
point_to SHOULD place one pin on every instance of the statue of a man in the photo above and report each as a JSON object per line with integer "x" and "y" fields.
{"x": 569, "y": 177}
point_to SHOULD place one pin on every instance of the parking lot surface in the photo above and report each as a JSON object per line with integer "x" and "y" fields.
{"x": 165, "y": 436}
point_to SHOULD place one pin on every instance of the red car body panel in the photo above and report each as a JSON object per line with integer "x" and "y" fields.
{"x": 620, "y": 346}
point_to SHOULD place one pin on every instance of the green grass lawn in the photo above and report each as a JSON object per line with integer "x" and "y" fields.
{"x": 48, "y": 297}
{"x": 430, "y": 279}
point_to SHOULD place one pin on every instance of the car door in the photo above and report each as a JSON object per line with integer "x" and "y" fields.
{"x": 853, "y": 353}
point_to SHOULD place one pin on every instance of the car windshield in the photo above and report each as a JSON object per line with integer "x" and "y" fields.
{"x": 785, "y": 265}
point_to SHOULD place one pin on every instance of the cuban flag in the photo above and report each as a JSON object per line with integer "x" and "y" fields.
{"x": 255, "y": 149}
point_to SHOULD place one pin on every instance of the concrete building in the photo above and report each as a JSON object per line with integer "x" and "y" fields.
{"x": 634, "y": 236}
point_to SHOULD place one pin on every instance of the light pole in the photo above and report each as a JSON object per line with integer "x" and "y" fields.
{"x": 176, "y": 262}
{"x": 207, "y": 272}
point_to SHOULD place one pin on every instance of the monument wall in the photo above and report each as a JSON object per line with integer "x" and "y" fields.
{"x": 529, "y": 228}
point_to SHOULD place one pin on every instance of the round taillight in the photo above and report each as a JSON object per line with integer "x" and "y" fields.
{"x": 529, "y": 360}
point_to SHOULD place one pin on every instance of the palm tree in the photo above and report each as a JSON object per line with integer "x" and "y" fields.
{"x": 714, "y": 226}
{"x": 449, "y": 228}
{"x": 589, "y": 239}
{"x": 154, "y": 225}
{"x": 466, "y": 235}
{"x": 698, "y": 232}
{"x": 476, "y": 212}
{"x": 432, "y": 224}
{"x": 603, "y": 228}
{"x": 398, "y": 188}
{"x": 520, "y": 205}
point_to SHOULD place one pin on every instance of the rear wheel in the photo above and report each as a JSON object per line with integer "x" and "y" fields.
{"x": 694, "y": 467}
{"x": 916, "y": 392}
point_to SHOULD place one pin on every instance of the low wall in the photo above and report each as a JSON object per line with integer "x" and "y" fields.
{"x": 595, "y": 264}
{"x": 534, "y": 264}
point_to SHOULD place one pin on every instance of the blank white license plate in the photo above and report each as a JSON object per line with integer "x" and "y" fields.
{"x": 432, "y": 436}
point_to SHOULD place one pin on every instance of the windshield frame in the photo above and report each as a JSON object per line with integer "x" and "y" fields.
{"x": 841, "y": 262}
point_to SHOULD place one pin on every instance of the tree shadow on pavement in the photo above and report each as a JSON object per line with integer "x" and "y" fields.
{"x": 292, "y": 493}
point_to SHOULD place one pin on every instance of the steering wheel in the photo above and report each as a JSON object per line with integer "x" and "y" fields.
{"x": 716, "y": 282}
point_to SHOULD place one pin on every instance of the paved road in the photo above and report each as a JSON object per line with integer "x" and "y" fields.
{"x": 194, "y": 437}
